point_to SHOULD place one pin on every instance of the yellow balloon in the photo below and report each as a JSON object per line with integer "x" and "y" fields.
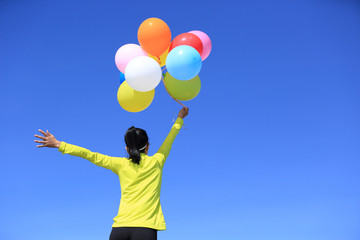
{"x": 134, "y": 101}
{"x": 162, "y": 58}
{"x": 182, "y": 90}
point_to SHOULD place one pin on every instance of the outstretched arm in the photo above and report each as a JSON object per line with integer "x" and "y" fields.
{"x": 165, "y": 148}
{"x": 108, "y": 162}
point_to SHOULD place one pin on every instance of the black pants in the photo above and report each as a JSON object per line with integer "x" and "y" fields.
{"x": 133, "y": 233}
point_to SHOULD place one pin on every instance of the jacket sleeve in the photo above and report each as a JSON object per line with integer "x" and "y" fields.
{"x": 165, "y": 148}
{"x": 112, "y": 163}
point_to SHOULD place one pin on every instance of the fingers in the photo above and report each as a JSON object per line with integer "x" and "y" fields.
{"x": 46, "y": 139}
{"x": 45, "y": 134}
{"x": 43, "y": 142}
{"x": 40, "y": 137}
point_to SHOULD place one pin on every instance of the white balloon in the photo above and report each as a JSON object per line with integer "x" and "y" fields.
{"x": 143, "y": 74}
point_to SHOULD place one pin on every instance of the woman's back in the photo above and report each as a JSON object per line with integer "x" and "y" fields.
{"x": 140, "y": 194}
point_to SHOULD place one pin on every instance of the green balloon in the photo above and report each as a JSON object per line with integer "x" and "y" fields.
{"x": 182, "y": 90}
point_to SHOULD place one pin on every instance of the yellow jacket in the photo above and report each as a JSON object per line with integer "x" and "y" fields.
{"x": 140, "y": 184}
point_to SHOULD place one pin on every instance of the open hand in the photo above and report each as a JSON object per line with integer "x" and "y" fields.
{"x": 49, "y": 140}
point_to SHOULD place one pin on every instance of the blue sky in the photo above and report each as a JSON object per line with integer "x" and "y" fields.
{"x": 271, "y": 145}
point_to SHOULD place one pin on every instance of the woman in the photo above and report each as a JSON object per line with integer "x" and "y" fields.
{"x": 140, "y": 215}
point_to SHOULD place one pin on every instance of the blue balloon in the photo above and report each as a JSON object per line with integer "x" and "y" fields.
{"x": 183, "y": 62}
{"x": 122, "y": 77}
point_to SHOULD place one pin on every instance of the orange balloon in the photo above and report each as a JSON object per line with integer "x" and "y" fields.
{"x": 154, "y": 36}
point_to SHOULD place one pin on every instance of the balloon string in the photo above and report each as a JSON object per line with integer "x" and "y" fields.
{"x": 162, "y": 78}
{"x": 164, "y": 69}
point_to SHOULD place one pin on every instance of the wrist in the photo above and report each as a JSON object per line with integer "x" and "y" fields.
{"x": 57, "y": 145}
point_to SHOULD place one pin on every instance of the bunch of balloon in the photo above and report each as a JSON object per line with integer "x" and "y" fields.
{"x": 140, "y": 65}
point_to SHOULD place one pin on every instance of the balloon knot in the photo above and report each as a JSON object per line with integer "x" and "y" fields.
{"x": 158, "y": 60}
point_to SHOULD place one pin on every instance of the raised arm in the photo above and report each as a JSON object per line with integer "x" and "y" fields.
{"x": 108, "y": 162}
{"x": 165, "y": 148}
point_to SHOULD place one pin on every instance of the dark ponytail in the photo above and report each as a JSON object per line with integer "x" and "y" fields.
{"x": 135, "y": 139}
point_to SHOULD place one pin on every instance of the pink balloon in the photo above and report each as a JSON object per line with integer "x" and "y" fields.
{"x": 127, "y": 53}
{"x": 206, "y": 43}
